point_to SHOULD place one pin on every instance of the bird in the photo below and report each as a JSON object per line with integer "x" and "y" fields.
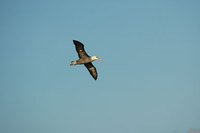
{"x": 85, "y": 59}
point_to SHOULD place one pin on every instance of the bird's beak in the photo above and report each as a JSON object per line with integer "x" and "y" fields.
{"x": 100, "y": 59}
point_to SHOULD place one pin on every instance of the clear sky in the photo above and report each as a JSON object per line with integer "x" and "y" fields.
{"x": 149, "y": 81}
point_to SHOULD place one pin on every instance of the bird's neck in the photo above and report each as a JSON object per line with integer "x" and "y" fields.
{"x": 93, "y": 58}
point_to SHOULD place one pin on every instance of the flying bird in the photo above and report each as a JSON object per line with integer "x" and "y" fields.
{"x": 85, "y": 59}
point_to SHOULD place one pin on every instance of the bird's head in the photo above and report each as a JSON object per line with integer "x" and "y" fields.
{"x": 96, "y": 58}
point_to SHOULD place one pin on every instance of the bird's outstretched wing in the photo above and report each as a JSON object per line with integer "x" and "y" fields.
{"x": 92, "y": 70}
{"x": 80, "y": 49}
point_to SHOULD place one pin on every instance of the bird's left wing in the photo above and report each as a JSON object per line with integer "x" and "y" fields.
{"x": 80, "y": 49}
{"x": 92, "y": 70}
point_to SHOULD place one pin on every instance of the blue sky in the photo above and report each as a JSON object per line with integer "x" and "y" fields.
{"x": 149, "y": 80}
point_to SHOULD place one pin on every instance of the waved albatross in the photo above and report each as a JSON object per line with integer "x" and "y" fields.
{"x": 85, "y": 59}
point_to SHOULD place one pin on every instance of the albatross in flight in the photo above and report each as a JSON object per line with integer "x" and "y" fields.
{"x": 85, "y": 59}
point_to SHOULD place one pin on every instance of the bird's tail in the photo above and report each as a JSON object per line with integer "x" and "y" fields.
{"x": 73, "y": 63}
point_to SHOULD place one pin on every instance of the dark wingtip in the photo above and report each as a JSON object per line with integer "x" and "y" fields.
{"x": 75, "y": 41}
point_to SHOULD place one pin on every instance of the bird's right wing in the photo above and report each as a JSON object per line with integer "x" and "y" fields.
{"x": 92, "y": 70}
{"x": 80, "y": 49}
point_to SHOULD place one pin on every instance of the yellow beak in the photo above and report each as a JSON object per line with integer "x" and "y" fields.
{"x": 100, "y": 59}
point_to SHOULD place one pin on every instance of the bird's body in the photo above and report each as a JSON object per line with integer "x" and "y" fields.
{"x": 85, "y": 59}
